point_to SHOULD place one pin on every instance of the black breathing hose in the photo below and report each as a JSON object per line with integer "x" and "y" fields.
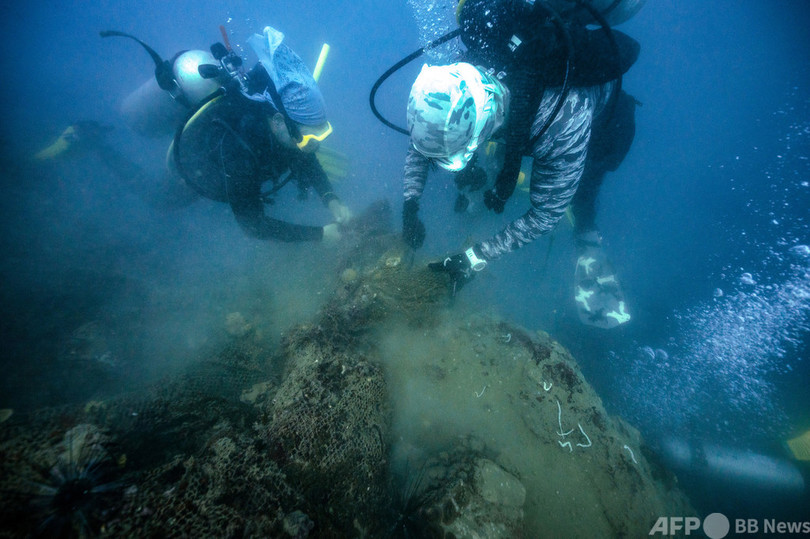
{"x": 569, "y": 53}
{"x": 155, "y": 56}
{"x": 163, "y": 68}
{"x": 394, "y": 68}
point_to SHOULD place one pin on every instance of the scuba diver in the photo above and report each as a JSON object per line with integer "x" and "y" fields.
{"x": 263, "y": 126}
{"x": 548, "y": 87}
{"x": 235, "y": 131}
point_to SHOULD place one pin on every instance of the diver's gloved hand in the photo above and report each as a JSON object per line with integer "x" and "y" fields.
{"x": 461, "y": 267}
{"x": 340, "y": 211}
{"x": 495, "y": 199}
{"x": 413, "y": 230}
{"x": 493, "y": 202}
{"x": 331, "y": 233}
{"x": 472, "y": 177}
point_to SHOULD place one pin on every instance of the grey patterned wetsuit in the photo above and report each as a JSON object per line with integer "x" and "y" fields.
{"x": 559, "y": 160}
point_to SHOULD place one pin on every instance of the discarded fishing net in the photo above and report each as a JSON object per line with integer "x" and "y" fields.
{"x": 303, "y": 438}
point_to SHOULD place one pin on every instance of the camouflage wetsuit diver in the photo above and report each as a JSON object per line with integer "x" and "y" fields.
{"x": 561, "y": 158}
{"x": 589, "y": 135}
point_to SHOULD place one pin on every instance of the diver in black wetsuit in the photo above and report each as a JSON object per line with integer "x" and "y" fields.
{"x": 265, "y": 130}
{"x": 241, "y": 131}
{"x": 230, "y": 151}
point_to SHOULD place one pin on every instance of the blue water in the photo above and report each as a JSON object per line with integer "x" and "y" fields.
{"x": 706, "y": 220}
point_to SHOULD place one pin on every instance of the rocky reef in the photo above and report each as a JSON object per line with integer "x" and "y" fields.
{"x": 388, "y": 414}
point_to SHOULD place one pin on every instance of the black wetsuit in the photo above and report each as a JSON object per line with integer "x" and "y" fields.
{"x": 611, "y": 137}
{"x": 228, "y": 152}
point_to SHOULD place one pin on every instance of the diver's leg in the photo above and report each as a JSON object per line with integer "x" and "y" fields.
{"x": 611, "y": 139}
{"x": 598, "y": 293}
{"x": 168, "y": 194}
{"x": 172, "y": 194}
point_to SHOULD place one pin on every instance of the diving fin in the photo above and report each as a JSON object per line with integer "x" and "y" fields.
{"x": 334, "y": 163}
{"x": 79, "y": 135}
{"x": 800, "y": 446}
{"x": 598, "y": 294}
{"x": 58, "y": 147}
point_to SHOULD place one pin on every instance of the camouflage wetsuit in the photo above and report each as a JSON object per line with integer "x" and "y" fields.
{"x": 559, "y": 161}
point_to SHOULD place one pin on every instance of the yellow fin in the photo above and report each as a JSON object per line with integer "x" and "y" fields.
{"x": 334, "y": 163}
{"x": 58, "y": 147}
{"x": 800, "y": 446}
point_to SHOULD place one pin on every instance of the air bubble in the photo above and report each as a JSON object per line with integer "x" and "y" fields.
{"x": 801, "y": 250}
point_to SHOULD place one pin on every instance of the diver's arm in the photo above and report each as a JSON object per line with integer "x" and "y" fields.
{"x": 245, "y": 199}
{"x": 559, "y": 160}
{"x": 526, "y": 90}
{"x": 416, "y": 171}
{"x": 307, "y": 169}
{"x": 506, "y": 181}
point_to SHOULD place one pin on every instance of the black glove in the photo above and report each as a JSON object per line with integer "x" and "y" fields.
{"x": 461, "y": 267}
{"x": 471, "y": 177}
{"x": 413, "y": 230}
{"x": 496, "y": 198}
{"x": 493, "y": 202}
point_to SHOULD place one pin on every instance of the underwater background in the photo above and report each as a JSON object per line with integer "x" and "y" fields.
{"x": 706, "y": 220}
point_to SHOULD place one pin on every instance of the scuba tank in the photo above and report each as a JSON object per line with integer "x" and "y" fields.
{"x": 192, "y": 84}
{"x": 492, "y": 36}
{"x": 156, "y": 107}
{"x": 151, "y": 112}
